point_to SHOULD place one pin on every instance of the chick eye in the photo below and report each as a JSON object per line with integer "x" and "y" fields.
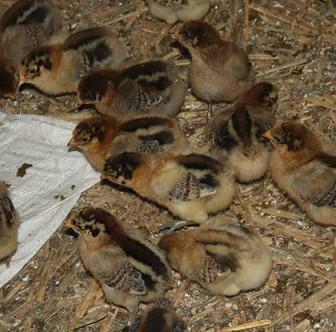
{"x": 188, "y": 34}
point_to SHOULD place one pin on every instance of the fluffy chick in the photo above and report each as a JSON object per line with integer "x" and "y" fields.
{"x": 129, "y": 268}
{"x": 57, "y": 69}
{"x": 9, "y": 223}
{"x": 27, "y": 25}
{"x": 24, "y": 26}
{"x": 237, "y": 132}
{"x": 102, "y": 136}
{"x": 141, "y": 89}
{"x": 190, "y": 186}
{"x": 221, "y": 256}
{"x": 303, "y": 170}
{"x": 220, "y": 70}
{"x": 172, "y": 11}
{"x": 158, "y": 317}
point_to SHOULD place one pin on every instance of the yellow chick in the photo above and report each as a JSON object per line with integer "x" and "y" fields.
{"x": 190, "y": 186}
{"x": 222, "y": 256}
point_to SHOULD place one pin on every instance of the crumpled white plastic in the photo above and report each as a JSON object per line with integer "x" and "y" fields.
{"x": 45, "y": 195}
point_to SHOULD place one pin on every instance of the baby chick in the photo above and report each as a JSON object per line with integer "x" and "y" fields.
{"x": 27, "y": 25}
{"x": 158, "y": 317}
{"x": 9, "y": 78}
{"x": 302, "y": 169}
{"x": 222, "y": 256}
{"x": 9, "y": 223}
{"x": 57, "y": 69}
{"x": 172, "y": 11}
{"x": 102, "y": 136}
{"x": 190, "y": 186}
{"x": 129, "y": 268}
{"x": 141, "y": 89}
{"x": 220, "y": 70}
{"x": 24, "y": 26}
{"x": 237, "y": 132}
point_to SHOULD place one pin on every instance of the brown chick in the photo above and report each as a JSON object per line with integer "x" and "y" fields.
{"x": 189, "y": 186}
{"x": 9, "y": 223}
{"x": 221, "y": 256}
{"x": 102, "y": 136}
{"x": 57, "y": 69}
{"x": 220, "y": 70}
{"x": 24, "y": 26}
{"x": 129, "y": 268}
{"x": 159, "y": 317}
{"x": 237, "y": 131}
{"x": 27, "y": 25}
{"x": 172, "y": 11}
{"x": 303, "y": 170}
{"x": 141, "y": 89}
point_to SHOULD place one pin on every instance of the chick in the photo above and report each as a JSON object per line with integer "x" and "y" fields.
{"x": 303, "y": 170}
{"x": 158, "y": 317}
{"x": 220, "y": 70}
{"x": 102, "y": 136}
{"x": 129, "y": 268}
{"x": 172, "y": 11}
{"x": 237, "y": 132}
{"x": 24, "y": 26}
{"x": 57, "y": 69}
{"x": 9, "y": 77}
{"x": 190, "y": 186}
{"x": 141, "y": 89}
{"x": 9, "y": 223}
{"x": 221, "y": 256}
{"x": 27, "y": 25}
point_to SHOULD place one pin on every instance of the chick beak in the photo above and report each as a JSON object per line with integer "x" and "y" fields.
{"x": 268, "y": 136}
{"x": 70, "y": 228}
{"x": 173, "y": 32}
{"x": 72, "y": 144}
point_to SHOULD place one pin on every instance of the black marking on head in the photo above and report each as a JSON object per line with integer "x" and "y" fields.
{"x": 160, "y": 84}
{"x": 98, "y": 54}
{"x": 131, "y": 247}
{"x": 147, "y": 68}
{"x": 242, "y": 124}
{"x": 163, "y": 137}
{"x": 200, "y": 162}
{"x": 223, "y": 138}
{"x": 37, "y": 59}
{"x": 123, "y": 165}
{"x": 291, "y": 134}
{"x": 89, "y": 129}
{"x": 84, "y": 37}
{"x": 144, "y": 123}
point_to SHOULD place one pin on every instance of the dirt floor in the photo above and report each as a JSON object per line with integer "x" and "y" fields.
{"x": 292, "y": 45}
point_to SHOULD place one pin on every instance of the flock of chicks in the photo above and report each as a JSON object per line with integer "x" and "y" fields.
{"x": 135, "y": 142}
